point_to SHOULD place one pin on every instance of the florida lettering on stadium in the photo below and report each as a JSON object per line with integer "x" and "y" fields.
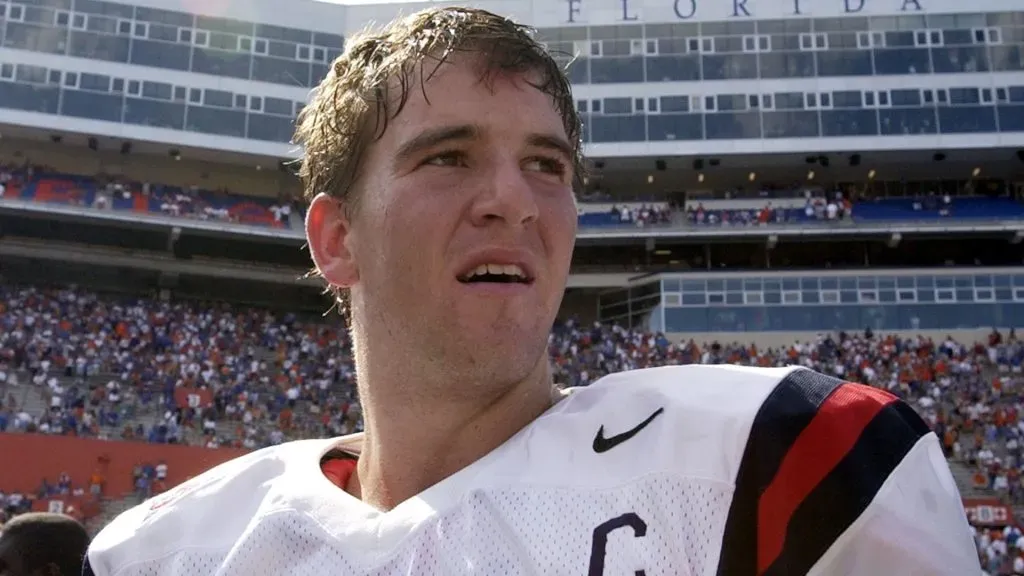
{"x": 632, "y": 10}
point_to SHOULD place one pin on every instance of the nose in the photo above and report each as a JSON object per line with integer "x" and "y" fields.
{"x": 506, "y": 196}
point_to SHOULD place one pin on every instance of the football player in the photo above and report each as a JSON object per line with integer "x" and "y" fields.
{"x": 440, "y": 157}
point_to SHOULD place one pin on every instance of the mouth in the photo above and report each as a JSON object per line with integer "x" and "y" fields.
{"x": 494, "y": 273}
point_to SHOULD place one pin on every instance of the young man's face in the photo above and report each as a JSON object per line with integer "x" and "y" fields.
{"x": 469, "y": 173}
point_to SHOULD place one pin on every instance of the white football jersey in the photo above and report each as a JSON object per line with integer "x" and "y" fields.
{"x": 682, "y": 470}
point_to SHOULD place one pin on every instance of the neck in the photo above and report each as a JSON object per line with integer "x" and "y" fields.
{"x": 413, "y": 443}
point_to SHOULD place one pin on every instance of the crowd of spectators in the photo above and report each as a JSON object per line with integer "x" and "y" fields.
{"x": 216, "y": 375}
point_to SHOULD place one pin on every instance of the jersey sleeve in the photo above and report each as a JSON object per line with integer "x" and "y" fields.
{"x": 841, "y": 479}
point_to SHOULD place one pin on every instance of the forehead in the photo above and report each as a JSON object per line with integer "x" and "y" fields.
{"x": 462, "y": 90}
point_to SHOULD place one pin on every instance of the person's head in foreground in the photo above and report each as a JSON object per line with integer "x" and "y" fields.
{"x": 42, "y": 544}
{"x": 440, "y": 157}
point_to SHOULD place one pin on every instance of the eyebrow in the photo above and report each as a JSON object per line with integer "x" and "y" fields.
{"x": 434, "y": 137}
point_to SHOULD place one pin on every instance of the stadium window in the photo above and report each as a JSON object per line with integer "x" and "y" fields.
{"x": 201, "y": 38}
{"x": 749, "y": 44}
{"x": 945, "y": 296}
{"x": 652, "y": 47}
{"x": 54, "y": 77}
{"x": 693, "y": 45}
{"x": 7, "y": 71}
{"x": 141, "y": 30}
{"x": 707, "y": 45}
{"x": 821, "y": 41}
{"x": 71, "y": 79}
{"x": 636, "y": 47}
{"x": 863, "y": 40}
{"x": 983, "y": 295}
{"x": 906, "y": 296}
{"x": 245, "y": 44}
{"x": 935, "y": 38}
{"x": 180, "y": 93}
{"x": 927, "y": 96}
{"x": 259, "y": 46}
{"x": 716, "y": 298}
{"x": 638, "y": 104}
{"x": 811, "y": 99}
{"x": 979, "y": 35}
{"x": 709, "y": 103}
{"x": 595, "y": 48}
{"x": 868, "y": 297}
{"x": 791, "y": 297}
{"x": 16, "y": 13}
{"x": 767, "y": 102}
{"x": 297, "y": 108}
{"x": 319, "y": 54}
{"x": 185, "y": 35}
{"x": 806, "y": 41}
{"x": 195, "y": 96}
{"x": 825, "y": 98}
{"x": 869, "y": 99}
{"x": 986, "y": 95}
{"x": 595, "y": 106}
{"x": 124, "y": 27}
{"x": 942, "y": 96}
{"x": 829, "y": 296}
{"x": 753, "y": 298}
{"x": 61, "y": 18}
{"x": 652, "y": 104}
{"x": 1018, "y": 294}
{"x": 878, "y": 39}
{"x": 78, "y": 21}
{"x": 753, "y": 101}
{"x": 302, "y": 53}
{"x": 994, "y": 37}
{"x": 117, "y": 85}
{"x": 581, "y": 106}
{"x": 1001, "y": 94}
{"x": 764, "y": 43}
{"x": 673, "y": 300}
{"x": 255, "y": 103}
{"x": 241, "y": 101}
{"x": 217, "y": 98}
{"x": 134, "y": 87}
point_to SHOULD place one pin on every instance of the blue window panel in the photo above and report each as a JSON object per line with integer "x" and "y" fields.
{"x": 963, "y": 295}
{"x": 752, "y": 285}
{"x": 734, "y": 285}
{"x": 272, "y": 128}
{"x": 772, "y": 297}
{"x": 787, "y": 65}
{"x": 617, "y": 70}
{"x": 729, "y": 320}
{"x": 926, "y": 281}
{"x": 35, "y": 38}
{"x": 160, "y": 54}
{"x": 29, "y": 97}
{"x": 222, "y": 63}
{"x": 886, "y": 283}
{"x": 675, "y": 127}
{"x": 732, "y": 126}
{"x": 729, "y": 67}
{"x": 734, "y": 298}
{"x": 92, "y": 105}
{"x": 906, "y": 282}
{"x": 278, "y": 71}
{"x": 1002, "y": 280}
{"x": 695, "y": 299}
{"x": 886, "y": 296}
{"x": 160, "y": 32}
{"x": 154, "y": 113}
{"x": 944, "y": 281}
{"x": 844, "y": 63}
{"x": 671, "y": 285}
{"x": 98, "y": 46}
{"x": 963, "y": 281}
{"x": 829, "y": 283}
{"x": 967, "y": 119}
{"x": 799, "y": 283}
{"x": 848, "y": 283}
{"x": 955, "y": 59}
{"x": 117, "y": 10}
{"x": 925, "y": 295}
{"x": 1008, "y": 57}
{"x": 902, "y": 61}
{"x": 281, "y": 33}
{"x": 905, "y": 98}
{"x": 867, "y": 283}
{"x": 672, "y": 68}
{"x": 983, "y": 281}
{"x": 849, "y": 122}
{"x": 907, "y": 121}
{"x": 102, "y": 25}
{"x": 791, "y": 124}
{"x": 772, "y": 284}
{"x": 285, "y": 50}
{"x": 579, "y": 71}
{"x": 686, "y": 320}
{"x": 216, "y": 121}
{"x": 693, "y": 286}
{"x": 618, "y": 128}
{"x": 810, "y": 296}
{"x": 848, "y": 297}
{"x": 1004, "y": 293}
{"x": 1011, "y": 117}
{"x": 1018, "y": 280}
{"x": 719, "y": 285}
{"x": 328, "y": 40}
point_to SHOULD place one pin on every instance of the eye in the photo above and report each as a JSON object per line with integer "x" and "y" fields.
{"x": 449, "y": 158}
{"x": 547, "y": 165}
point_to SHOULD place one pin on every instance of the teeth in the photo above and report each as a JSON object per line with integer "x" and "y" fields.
{"x": 497, "y": 269}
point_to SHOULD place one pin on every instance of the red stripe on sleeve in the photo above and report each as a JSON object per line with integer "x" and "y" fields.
{"x": 831, "y": 434}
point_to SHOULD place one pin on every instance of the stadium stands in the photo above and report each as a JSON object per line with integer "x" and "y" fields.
{"x": 75, "y": 363}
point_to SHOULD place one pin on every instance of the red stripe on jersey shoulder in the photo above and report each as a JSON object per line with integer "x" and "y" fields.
{"x": 338, "y": 470}
{"x": 827, "y": 439}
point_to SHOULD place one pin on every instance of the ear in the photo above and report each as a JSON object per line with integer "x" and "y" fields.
{"x": 328, "y": 232}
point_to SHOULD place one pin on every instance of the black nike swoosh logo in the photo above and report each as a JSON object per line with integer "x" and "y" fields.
{"x": 602, "y": 444}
